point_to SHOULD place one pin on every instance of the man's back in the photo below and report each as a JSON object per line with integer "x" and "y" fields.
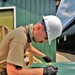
{"x": 5, "y": 44}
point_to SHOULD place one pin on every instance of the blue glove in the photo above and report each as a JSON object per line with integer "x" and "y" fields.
{"x": 47, "y": 59}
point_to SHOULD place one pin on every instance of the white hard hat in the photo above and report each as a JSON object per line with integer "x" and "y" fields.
{"x": 53, "y": 27}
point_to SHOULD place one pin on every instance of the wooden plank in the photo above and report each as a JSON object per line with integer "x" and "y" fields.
{"x": 2, "y": 32}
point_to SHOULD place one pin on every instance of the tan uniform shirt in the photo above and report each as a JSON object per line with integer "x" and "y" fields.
{"x": 13, "y": 46}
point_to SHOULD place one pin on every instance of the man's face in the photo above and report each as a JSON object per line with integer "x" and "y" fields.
{"x": 40, "y": 36}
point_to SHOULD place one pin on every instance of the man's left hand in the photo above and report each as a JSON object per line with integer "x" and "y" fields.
{"x": 47, "y": 59}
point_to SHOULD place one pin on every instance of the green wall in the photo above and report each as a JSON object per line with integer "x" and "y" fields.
{"x": 31, "y": 11}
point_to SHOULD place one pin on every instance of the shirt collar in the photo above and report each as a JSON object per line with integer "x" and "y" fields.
{"x": 30, "y": 29}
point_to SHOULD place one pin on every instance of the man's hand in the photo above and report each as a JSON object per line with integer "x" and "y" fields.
{"x": 50, "y": 70}
{"x": 47, "y": 59}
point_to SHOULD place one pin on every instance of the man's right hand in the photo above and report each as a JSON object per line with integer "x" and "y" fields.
{"x": 50, "y": 70}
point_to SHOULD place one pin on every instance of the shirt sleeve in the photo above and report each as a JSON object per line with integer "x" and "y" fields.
{"x": 16, "y": 53}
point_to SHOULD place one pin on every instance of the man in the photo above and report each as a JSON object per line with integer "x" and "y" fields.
{"x": 17, "y": 42}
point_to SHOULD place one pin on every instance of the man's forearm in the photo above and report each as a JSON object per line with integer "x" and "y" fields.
{"x": 48, "y": 70}
{"x": 12, "y": 70}
{"x": 36, "y": 71}
{"x": 36, "y": 52}
{"x": 27, "y": 72}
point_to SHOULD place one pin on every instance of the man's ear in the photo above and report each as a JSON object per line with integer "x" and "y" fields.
{"x": 39, "y": 26}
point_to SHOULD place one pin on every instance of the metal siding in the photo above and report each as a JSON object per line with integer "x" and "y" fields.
{"x": 0, "y": 3}
{"x": 69, "y": 44}
{"x": 31, "y": 11}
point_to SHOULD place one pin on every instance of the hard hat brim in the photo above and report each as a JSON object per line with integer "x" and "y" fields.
{"x": 49, "y": 40}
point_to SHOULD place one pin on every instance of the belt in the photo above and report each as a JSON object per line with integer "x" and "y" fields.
{"x": 3, "y": 71}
